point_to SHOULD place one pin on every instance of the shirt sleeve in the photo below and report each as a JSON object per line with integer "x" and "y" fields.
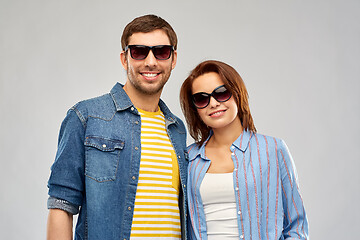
{"x": 66, "y": 182}
{"x": 295, "y": 220}
{"x": 55, "y": 203}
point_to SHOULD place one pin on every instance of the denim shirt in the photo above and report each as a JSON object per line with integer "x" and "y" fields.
{"x": 268, "y": 200}
{"x": 97, "y": 165}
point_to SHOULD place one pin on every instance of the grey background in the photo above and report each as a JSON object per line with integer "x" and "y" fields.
{"x": 299, "y": 60}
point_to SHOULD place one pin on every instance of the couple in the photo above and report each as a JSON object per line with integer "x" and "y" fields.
{"x": 123, "y": 165}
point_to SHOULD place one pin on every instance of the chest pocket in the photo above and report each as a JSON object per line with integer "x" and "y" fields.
{"x": 102, "y": 158}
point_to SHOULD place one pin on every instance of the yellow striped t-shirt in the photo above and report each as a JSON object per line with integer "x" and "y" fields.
{"x": 156, "y": 211}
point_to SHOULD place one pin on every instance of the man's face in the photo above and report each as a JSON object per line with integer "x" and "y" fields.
{"x": 148, "y": 76}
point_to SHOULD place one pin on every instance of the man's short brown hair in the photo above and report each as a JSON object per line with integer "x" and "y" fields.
{"x": 145, "y": 24}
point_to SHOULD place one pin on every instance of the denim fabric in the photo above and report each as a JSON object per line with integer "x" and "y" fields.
{"x": 97, "y": 164}
{"x": 268, "y": 200}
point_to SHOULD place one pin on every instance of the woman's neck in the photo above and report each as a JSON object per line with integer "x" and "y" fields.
{"x": 226, "y": 136}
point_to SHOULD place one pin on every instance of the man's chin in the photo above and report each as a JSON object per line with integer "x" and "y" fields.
{"x": 150, "y": 90}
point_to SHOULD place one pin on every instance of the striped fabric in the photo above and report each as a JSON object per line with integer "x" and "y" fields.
{"x": 269, "y": 204}
{"x": 156, "y": 212}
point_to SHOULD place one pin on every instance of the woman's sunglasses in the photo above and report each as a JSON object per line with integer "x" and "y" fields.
{"x": 140, "y": 52}
{"x": 202, "y": 99}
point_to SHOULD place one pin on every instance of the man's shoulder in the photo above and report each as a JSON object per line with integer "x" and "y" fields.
{"x": 102, "y": 106}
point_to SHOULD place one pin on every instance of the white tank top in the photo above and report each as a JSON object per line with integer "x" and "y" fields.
{"x": 218, "y": 197}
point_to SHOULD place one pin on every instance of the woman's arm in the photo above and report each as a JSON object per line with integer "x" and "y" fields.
{"x": 295, "y": 220}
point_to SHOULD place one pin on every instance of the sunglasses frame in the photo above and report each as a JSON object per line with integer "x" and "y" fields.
{"x": 149, "y": 48}
{"x": 209, "y": 95}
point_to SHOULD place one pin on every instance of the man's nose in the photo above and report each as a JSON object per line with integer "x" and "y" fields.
{"x": 150, "y": 59}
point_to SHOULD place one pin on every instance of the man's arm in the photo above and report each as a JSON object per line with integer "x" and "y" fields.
{"x": 59, "y": 225}
{"x": 66, "y": 182}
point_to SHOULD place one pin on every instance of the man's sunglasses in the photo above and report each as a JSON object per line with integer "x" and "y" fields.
{"x": 202, "y": 99}
{"x": 140, "y": 52}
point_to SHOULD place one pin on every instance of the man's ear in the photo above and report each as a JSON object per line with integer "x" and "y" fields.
{"x": 123, "y": 59}
{"x": 174, "y": 59}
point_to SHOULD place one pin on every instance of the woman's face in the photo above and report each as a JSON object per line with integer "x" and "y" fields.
{"x": 216, "y": 114}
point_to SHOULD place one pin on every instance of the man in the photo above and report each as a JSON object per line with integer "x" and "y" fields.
{"x": 121, "y": 160}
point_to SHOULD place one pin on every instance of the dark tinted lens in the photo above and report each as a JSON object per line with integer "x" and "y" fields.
{"x": 139, "y": 52}
{"x": 201, "y": 100}
{"x": 162, "y": 52}
{"x": 221, "y": 94}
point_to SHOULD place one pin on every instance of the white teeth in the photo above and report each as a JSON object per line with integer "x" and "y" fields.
{"x": 149, "y": 74}
{"x": 217, "y": 113}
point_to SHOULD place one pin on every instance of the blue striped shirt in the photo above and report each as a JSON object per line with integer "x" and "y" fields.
{"x": 268, "y": 201}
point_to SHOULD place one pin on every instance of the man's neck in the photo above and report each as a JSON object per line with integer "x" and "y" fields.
{"x": 143, "y": 101}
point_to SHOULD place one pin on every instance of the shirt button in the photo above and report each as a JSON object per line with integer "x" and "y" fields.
{"x": 232, "y": 153}
{"x": 184, "y": 185}
{"x": 136, "y": 122}
{"x": 235, "y": 169}
{"x": 236, "y": 189}
{"x": 241, "y": 236}
{"x": 133, "y": 177}
{"x": 129, "y": 208}
{"x": 104, "y": 146}
{"x": 179, "y": 156}
{"x": 136, "y": 148}
{"x": 239, "y": 212}
{"x": 132, "y": 108}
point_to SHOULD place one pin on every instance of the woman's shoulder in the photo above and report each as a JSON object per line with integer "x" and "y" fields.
{"x": 193, "y": 150}
{"x": 267, "y": 141}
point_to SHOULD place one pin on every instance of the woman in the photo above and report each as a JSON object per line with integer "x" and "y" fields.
{"x": 242, "y": 185}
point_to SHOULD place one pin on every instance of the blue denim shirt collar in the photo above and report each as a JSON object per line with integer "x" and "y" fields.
{"x": 242, "y": 143}
{"x": 120, "y": 98}
{"x": 169, "y": 117}
{"x": 123, "y": 102}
